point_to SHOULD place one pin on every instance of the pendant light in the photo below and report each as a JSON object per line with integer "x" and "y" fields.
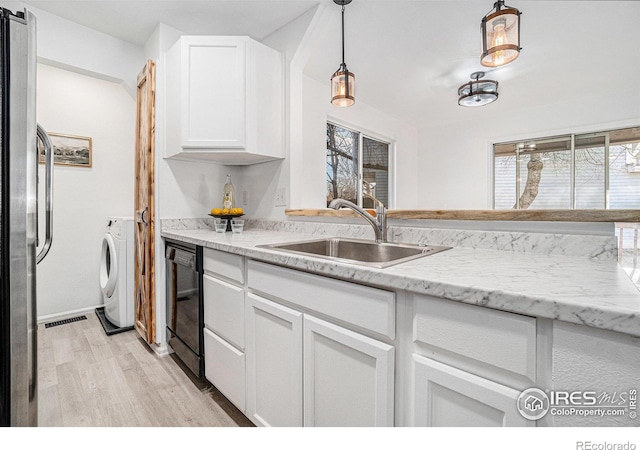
{"x": 343, "y": 81}
{"x": 500, "y": 35}
{"x": 478, "y": 92}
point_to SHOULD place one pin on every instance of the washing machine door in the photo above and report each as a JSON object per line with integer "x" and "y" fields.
{"x": 108, "y": 266}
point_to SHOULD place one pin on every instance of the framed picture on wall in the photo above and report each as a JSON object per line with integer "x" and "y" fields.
{"x": 68, "y": 150}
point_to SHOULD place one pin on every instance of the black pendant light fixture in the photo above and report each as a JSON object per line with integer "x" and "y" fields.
{"x": 500, "y": 35}
{"x": 478, "y": 92}
{"x": 343, "y": 81}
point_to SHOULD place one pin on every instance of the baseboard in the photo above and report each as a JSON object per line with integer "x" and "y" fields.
{"x": 161, "y": 349}
{"x": 67, "y": 314}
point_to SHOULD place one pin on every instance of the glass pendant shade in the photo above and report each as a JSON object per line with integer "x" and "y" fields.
{"x": 478, "y": 92}
{"x": 343, "y": 88}
{"x": 500, "y": 36}
{"x": 343, "y": 81}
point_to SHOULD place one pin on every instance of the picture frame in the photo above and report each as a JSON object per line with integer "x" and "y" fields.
{"x": 68, "y": 150}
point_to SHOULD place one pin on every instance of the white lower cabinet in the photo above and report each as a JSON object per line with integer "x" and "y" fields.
{"x": 444, "y": 396}
{"x": 396, "y": 358}
{"x": 348, "y": 377}
{"x": 274, "y": 363}
{"x": 223, "y": 304}
{"x": 307, "y": 371}
{"x": 336, "y": 376}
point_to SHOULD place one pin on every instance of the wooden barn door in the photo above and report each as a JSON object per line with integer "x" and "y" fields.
{"x": 144, "y": 205}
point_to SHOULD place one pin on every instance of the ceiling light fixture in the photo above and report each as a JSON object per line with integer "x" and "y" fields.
{"x": 478, "y": 92}
{"x": 500, "y": 35}
{"x": 343, "y": 81}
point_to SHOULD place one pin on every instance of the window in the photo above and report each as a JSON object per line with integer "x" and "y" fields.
{"x": 357, "y": 167}
{"x": 585, "y": 171}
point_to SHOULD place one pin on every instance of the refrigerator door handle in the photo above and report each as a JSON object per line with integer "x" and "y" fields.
{"x": 48, "y": 147}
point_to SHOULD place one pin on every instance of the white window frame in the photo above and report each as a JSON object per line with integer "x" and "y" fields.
{"x": 362, "y": 133}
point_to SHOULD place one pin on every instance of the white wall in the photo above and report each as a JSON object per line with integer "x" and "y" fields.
{"x": 584, "y": 79}
{"x": 84, "y": 198}
{"x": 95, "y": 97}
{"x": 309, "y": 179}
{"x": 261, "y": 181}
{"x": 303, "y": 174}
{"x": 184, "y": 189}
{"x": 68, "y": 45}
{"x": 455, "y": 160}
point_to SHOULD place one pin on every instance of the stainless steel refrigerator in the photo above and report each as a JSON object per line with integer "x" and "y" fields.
{"x": 19, "y": 137}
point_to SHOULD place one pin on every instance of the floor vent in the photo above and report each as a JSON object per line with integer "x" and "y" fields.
{"x": 65, "y": 321}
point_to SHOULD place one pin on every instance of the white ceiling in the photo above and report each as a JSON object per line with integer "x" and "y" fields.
{"x": 410, "y": 56}
{"x": 134, "y": 20}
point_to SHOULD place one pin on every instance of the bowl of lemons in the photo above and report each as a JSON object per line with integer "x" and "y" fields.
{"x": 225, "y": 213}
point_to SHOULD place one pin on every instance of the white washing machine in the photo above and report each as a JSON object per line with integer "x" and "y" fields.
{"x": 116, "y": 271}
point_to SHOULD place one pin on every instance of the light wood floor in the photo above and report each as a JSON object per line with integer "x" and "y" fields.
{"x": 86, "y": 378}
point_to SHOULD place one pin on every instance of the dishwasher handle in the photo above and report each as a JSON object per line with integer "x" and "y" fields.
{"x": 181, "y": 257}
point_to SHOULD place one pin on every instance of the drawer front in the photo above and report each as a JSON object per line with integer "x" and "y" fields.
{"x": 370, "y": 308}
{"x": 497, "y": 338}
{"x": 224, "y": 309}
{"x": 224, "y": 264}
{"x": 224, "y": 367}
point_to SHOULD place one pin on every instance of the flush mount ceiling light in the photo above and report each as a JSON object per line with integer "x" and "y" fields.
{"x": 478, "y": 92}
{"x": 343, "y": 81}
{"x": 500, "y": 35}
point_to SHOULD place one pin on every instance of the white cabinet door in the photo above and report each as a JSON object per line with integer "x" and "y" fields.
{"x": 348, "y": 377}
{"x": 274, "y": 363}
{"x": 214, "y": 97}
{"x": 449, "y": 397}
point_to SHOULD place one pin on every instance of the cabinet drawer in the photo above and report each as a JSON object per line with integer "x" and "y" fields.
{"x": 497, "y": 338}
{"x": 370, "y": 308}
{"x": 224, "y": 309}
{"x": 224, "y": 264}
{"x": 224, "y": 367}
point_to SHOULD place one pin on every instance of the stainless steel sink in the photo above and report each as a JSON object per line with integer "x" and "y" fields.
{"x": 366, "y": 253}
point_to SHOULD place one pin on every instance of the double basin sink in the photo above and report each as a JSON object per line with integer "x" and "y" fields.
{"x": 360, "y": 252}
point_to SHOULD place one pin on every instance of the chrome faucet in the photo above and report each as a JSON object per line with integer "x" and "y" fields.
{"x": 379, "y": 223}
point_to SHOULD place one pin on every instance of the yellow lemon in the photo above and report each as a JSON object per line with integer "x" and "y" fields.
{"x": 216, "y": 211}
{"x": 225, "y": 211}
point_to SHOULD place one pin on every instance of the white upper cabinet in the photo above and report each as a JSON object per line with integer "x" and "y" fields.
{"x": 225, "y": 100}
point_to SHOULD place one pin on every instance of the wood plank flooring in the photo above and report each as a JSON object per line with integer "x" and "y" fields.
{"x": 86, "y": 378}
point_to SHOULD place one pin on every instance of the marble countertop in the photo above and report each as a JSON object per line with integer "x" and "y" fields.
{"x": 595, "y": 293}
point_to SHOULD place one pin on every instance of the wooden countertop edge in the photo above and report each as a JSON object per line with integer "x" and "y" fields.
{"x": 539, "y": 215}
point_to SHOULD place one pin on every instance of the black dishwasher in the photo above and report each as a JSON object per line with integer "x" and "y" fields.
{"x": 184, "y": 304}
